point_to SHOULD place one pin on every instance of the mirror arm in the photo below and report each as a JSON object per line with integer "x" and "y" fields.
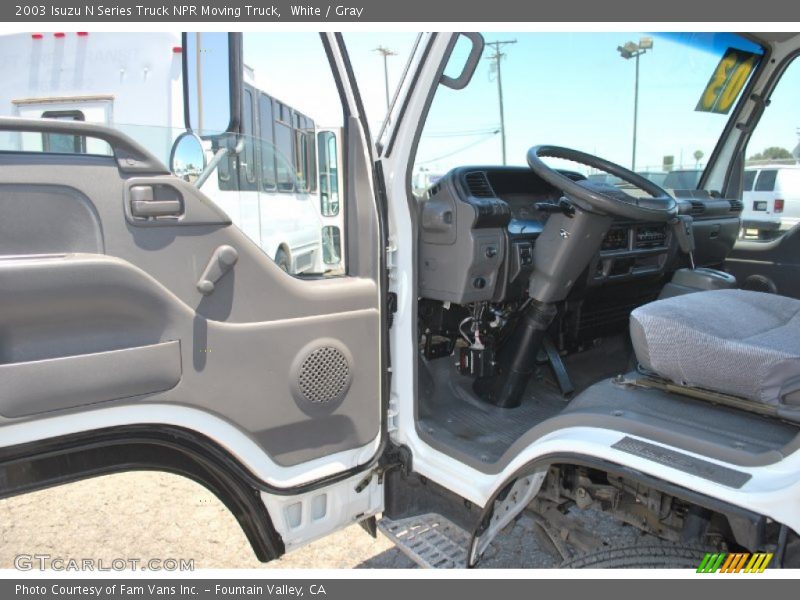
{"x": 214, "y": 162}
{"x": 211, "y": 166}
{"x": 239, "y": 145}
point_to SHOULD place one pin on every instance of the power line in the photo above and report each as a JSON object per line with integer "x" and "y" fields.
{"x": 461, "y": 133}
{"x": 461, "y": 149}
{"x": 497, "y": 57}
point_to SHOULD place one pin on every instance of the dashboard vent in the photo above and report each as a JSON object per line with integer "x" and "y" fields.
{"x": 736, "y": 205}
{"x": 698, "y": 207}
{"x": 478, "y": 185}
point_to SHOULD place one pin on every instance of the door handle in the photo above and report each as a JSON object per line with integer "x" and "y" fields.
{"x": 144, "y": 204}
{"x": 156, "y": 208}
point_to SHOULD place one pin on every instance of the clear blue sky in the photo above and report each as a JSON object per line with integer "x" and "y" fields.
{"x": 576, "y": 90}
{"x": 571, "y": 89}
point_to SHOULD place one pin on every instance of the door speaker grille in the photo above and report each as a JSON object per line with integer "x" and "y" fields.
{"x": 324, "y": 375}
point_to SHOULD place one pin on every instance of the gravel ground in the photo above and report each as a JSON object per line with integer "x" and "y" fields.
{"x": 147, "y": 515}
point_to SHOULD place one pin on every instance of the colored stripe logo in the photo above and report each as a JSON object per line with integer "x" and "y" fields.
{"x": 736, "y": 562}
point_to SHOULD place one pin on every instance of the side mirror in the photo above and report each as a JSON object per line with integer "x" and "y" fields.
{"x": 212, "y": 82}
{"x": 187, "y": 159}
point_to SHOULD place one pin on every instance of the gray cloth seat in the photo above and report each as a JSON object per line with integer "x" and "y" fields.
{"x": 737, "y": 342}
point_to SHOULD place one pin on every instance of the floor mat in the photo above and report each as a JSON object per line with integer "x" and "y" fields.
{"x": 457, "y": 417}
{"x": 453, "y": 414}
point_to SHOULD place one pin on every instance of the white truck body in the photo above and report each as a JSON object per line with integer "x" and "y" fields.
{"x": 106, "y": 78}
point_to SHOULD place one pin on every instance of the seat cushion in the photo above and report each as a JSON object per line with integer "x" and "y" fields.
{"x": 736, "y": 342}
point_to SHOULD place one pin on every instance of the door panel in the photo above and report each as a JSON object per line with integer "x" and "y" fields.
{"x": 762, "y": 265}
{"x": 109, "y": 305}
{"x": 47, "y": 218}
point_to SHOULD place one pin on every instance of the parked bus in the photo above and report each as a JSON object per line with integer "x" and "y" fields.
{"x": 277, "y": 189}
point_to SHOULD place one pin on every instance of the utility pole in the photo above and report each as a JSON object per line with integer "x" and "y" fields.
{"x": 635, "y": 50}
{"x": 497, "y": 57}
{"x": 386, "y": 52}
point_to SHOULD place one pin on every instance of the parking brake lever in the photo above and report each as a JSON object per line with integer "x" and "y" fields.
{"x": 684, "y": 232}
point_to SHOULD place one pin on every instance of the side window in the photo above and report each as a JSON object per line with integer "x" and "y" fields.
{"x": 328, "y": 159}
{"x": 331, "y": 244}
{"x": 64, "y": 144}
{"x": 224, "y": 172}
{"x": 306, "y": 154}
{"x": 284, "y": 146}
{"x": 300, "y": 162}
{"x": 328, "y": 174}
{"x": 269, "y": 184}
{"x": 749, "y": 178}
{"x": 248, "y": 160}
{"x": 311, "y": 155}
{"x": 771, "y": 190}
{"x": 267, "y": 122}
{"x": 56, "y": 143}
{"x": 766, "y": 180}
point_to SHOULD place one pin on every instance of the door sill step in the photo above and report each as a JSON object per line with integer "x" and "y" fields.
{"x": 430, "y": 540}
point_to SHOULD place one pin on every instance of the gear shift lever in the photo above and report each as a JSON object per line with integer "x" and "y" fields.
{"x": 682, "y": 227}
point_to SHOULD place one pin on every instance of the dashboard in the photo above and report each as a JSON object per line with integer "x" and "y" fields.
{"x": 479, "y": 226}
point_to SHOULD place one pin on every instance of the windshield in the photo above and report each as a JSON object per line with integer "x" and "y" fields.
{"x": 656, "y": 103}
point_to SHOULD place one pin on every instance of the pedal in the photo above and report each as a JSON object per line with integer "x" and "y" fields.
{"x": 430, "y": 540}
{"x": 559, "y": 368}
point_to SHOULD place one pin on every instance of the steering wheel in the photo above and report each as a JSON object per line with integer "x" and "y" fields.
{"x": 603, "y": 197}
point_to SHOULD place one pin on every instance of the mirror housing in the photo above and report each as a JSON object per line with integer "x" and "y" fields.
{"x": 212, "y": 82}
{"x": 187, "y": 159}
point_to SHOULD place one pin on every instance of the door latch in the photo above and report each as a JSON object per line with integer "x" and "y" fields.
{"x": 144, "y": 204}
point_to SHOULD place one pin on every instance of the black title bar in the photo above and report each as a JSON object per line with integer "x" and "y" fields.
{"x": 440, "y": 11}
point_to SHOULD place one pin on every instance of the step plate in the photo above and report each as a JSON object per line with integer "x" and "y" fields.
{"x": 683, "y": 462}
{"x": 429, "y": 540}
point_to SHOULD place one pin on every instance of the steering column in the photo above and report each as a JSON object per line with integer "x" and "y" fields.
{"x": 563, "y": 251}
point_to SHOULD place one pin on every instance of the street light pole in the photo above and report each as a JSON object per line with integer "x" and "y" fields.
{"x": 635, "y": 112}
{"x": 386, "y": 52}
{"x": 628, "y": 51}
{"x": 497, "y": 57}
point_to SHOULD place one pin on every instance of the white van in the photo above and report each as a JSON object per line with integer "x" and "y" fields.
{"x": 771, "y": 198}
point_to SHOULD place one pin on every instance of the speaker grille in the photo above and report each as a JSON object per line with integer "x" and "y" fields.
{"x": 324, "y": 375}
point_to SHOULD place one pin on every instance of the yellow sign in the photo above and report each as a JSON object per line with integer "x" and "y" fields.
{"x": 726, "y": 83}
